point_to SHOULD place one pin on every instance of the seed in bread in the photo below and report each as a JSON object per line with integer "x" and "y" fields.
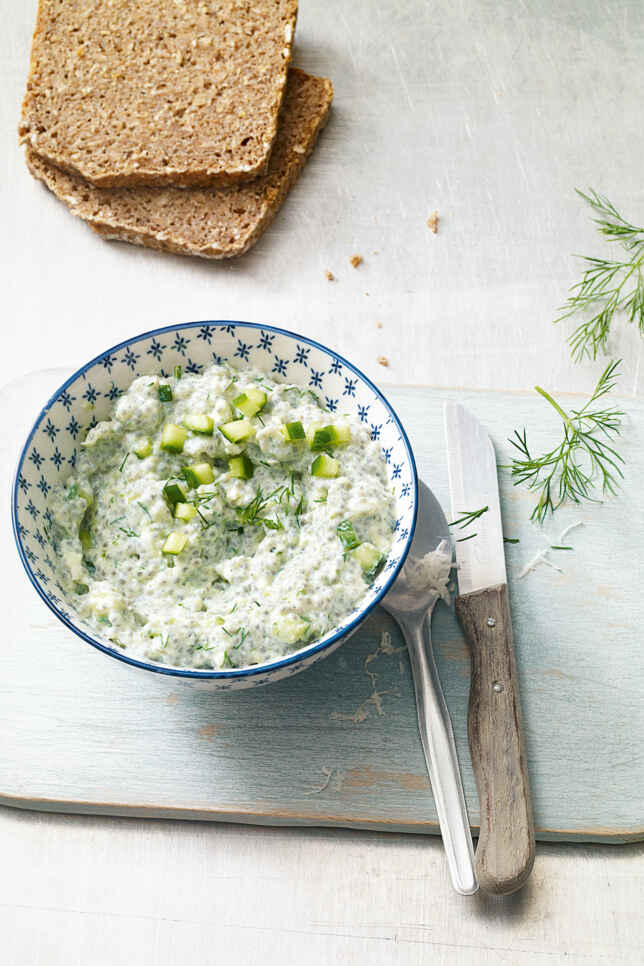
{"x": 209, "y": 222}
{"x": 158, "y": 91}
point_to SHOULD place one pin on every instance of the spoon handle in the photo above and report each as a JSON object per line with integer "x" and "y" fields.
{"x": 439, "y": 746}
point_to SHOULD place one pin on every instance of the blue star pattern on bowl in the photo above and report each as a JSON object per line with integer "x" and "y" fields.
{"x": 50, "y": 450}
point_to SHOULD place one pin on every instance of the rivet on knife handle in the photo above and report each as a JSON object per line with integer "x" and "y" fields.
{"x": 505, "y": 851}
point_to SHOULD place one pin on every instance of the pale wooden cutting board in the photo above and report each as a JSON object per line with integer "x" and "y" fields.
{"x": 338, "y": 744}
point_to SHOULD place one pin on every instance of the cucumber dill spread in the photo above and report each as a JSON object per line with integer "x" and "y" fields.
{"x": 221, "y": 520}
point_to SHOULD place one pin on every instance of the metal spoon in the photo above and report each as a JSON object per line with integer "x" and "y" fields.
{"x": 412, "y": 608}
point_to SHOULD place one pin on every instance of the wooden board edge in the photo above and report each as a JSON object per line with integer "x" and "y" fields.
{"x": 600, "y": 836}
{"x": 477, "y": 390}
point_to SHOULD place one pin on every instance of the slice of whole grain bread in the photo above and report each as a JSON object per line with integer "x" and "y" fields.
{"x": 209, "y": 222}
{"x": 184, "y": 92}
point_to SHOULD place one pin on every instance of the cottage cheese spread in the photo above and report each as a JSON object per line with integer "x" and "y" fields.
{"x": 221, "y": 520}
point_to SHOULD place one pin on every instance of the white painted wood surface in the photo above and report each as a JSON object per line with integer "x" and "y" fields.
{"x": 491, "y": 112}
{"x": 338, "y": 745}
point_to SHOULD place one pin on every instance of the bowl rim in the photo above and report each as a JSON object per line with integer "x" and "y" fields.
{"x": 254, "y": 670}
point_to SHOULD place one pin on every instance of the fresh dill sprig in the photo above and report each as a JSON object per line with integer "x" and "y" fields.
{"x": 607, "y": 285}
{"x": 129, "y": 532}
{"x": 466, "y": 518}
{"x": 583, "y": 460}
{"x": 248, "y": 514}
{"x": 243, "y": 634}
{"x": 253, "y": 512}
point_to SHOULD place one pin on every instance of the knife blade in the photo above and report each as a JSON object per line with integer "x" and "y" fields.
{"x": 506, "y": 846}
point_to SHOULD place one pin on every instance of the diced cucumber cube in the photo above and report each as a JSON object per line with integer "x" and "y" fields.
{"x": 174, "y": 493}
{"x": 370, "y": 559}
{"x": 237, "y": 430}
{"x": 142, "y": 449}
{"x": 250, "y": 402}
{"x": 165, "y": 393}
{"x": 341, "y": 434}
{"x": 199, "y": 423}
{"x": 347, "y": 535}
{"x": 241, "y": 467}
{"x": 173, "y": 437}
{"x": 198, "y": 474}
{"x": 325, "y": 465}
{"x": 174, "y": 543}
{"x": 323, "y": 437}
{"x": 293, "y": 432}
{"x": 184, "y": 511}
{"x": 319, "y": 437}
{"x": 290, "y": 628}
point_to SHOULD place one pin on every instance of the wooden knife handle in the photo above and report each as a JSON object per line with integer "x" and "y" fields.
{"x": 505, "y": 851}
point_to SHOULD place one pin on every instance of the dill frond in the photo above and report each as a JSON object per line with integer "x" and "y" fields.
{"x": 607, "y": 285}
{"x": 584, "y": 461}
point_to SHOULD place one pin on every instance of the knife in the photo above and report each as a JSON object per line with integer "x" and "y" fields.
{"x": 505, "y": 851}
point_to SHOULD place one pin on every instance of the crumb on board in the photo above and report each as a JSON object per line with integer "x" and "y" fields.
{"x": 330, "y": 277}
{"x": 356, "y": 260}
{"x": 432, "y": 222}
{"x": 383, "y": 360}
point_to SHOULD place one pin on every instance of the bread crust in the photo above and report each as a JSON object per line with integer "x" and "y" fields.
{"x": 206, "y": 222}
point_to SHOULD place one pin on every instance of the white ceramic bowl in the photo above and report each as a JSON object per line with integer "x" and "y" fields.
{"x": 86, "y": 397}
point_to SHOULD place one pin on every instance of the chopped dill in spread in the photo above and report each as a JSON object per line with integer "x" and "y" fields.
{"x": 221, "y": 520}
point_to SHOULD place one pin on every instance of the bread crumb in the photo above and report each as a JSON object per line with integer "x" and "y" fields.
{"x": 356, "y": 260}
{"x": 432, "y": 222}
{"x": 330, "y": 277}
{"x": 383, "y": 360}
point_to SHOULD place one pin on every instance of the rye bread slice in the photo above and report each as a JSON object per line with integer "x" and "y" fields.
{"x": 133, "y": 92}
{"x": 209, "y": 222}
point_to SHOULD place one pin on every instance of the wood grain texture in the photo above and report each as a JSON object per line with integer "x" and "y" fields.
{"x": 338, "y": 745}
{"x": 506, "y": 845}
